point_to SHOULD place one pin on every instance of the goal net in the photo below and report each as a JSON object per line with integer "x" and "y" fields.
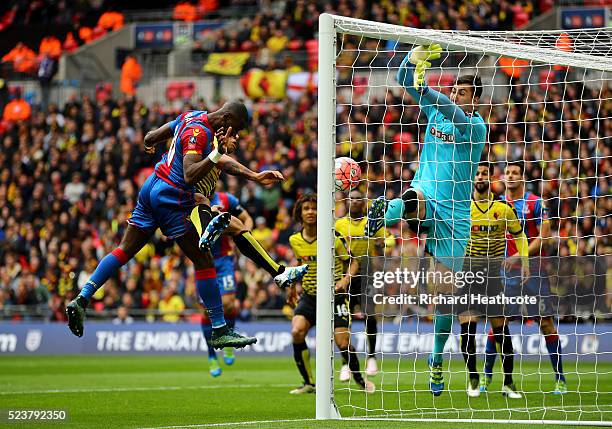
{"x": 546, "y": 102}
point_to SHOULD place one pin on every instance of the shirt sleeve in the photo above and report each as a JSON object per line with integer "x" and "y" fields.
{"x": 294, "y": 247}
{"x": 342, "y": 250}
{"x": 235, "y": 208}
{"x": 405, "y": 77}
{"x": 430, "y": 100}
{"x": 439, "y": 101}
{"x": 478, "y": 129}
{"x": 513, "y": 225}
{"x": 339, "y": 226}
{"x": 194, "y": 140}
{"x": 173, "y": 124}
{"x": 540, "y": 212}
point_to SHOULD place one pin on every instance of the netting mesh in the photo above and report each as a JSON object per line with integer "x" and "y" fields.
{"x": 547, "y": 102}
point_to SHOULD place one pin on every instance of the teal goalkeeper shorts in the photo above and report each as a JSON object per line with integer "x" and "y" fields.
{"x": 447, "y": 236}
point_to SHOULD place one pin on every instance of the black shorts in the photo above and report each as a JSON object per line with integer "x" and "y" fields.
{"x": 358, "y": 296}
{"x": 481, "y": 292}
{"x": 307, "y": 307}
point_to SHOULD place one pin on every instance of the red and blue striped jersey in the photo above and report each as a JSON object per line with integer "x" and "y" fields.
{"x": 531, "y": 213}
{"x": 231, "y": 205}
{"x": 192, "y": 135}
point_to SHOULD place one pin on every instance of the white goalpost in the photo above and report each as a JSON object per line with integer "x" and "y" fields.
{"x": 547, "y": 101}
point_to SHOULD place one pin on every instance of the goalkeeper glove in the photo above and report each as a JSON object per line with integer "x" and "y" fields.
{"x": 420, "y": 57}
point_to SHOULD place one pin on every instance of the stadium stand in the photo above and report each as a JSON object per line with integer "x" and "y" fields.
{"x": 69, "y": 177}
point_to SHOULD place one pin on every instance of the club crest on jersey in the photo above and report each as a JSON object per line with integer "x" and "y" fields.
{"x": 442, "y": 136}
{"x": 525, "y": 209}
{"x": 496, "y": 215}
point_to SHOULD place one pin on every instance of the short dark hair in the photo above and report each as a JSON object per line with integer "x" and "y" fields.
{"x": 239, "y": 111}
{"x": 358, "y": 192}
{"x": 490, "y": 166}
{"x": 473, "y": 80}
{"x": 297, "y": 209}
{"x": 518, "y": 163}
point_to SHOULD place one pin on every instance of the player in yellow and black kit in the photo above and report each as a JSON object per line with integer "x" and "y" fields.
{"x": 352, "y": 227}
{"x": 304, "y": 245}
{"x": 230, "y": 225}
{"x": 491, "y": 220}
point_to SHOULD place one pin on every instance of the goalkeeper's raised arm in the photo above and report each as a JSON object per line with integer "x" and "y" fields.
{"x": 439, "y": 196}
{"x": 464, "y": 97}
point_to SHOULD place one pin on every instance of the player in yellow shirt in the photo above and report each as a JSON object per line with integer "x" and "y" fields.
{"x": 491, "y": 220}
{"x": 352, "y": 227}
{"x": 171, "y": 304}
{"x": 304, "y": 245}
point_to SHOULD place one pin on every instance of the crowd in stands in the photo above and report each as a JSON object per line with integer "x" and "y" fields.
{"x": 86, "y": 21}
{"x": 70, "y": 178}
{"x": 70, "y": 175}
{"x": 282, "y": 24}
{"x": 272, "y": 30}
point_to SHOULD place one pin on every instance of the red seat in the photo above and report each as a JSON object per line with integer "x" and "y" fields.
{"x": 104, "y": 91}
{"x": 180, "y": 90}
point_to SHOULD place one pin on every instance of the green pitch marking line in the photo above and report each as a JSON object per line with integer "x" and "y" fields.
{"x": 177, "y": 391}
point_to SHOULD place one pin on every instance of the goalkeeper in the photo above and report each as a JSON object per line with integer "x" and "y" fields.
{"x": 438, "y": 200}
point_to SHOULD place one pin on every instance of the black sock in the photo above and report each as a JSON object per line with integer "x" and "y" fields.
{"x": 371, "y": 334}
{"x": 468, "y": 347}
{"x": 302, "y": 360}
{"x": 82, "y": 301}
{"x": 249, "y": 247}
{"x": 221, "y": 330}
{"x": 205, "y": 215}
{"x": 504, "y": 341}
{"x": 350, "y": 356}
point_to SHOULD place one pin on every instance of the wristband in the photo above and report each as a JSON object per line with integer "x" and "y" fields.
{"x": 214, "y": 156}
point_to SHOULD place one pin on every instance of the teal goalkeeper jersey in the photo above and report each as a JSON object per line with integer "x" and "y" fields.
{"x": 453, "y": 144}
{"x": 449, "y": 160}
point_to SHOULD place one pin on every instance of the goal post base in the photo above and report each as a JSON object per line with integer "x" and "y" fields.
{"x": 334, "y": 414}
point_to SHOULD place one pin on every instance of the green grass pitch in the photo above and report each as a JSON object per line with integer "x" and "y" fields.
{"x": 177, "y": 391}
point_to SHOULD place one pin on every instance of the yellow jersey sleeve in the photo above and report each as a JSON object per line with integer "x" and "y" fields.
{"x": 513, "y": 225}
{"x": 341, "y": 247}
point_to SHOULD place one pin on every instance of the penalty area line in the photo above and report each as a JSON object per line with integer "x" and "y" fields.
{"x": 208, "y": 425}
{"x": 141, "y": 389}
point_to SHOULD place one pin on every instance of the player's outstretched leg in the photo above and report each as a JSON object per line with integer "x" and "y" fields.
{"x": 213, "y": 230}
{"x": 133, "y": 240}
{"x": 290, "y": 276}
{"x": 376, "y": 216}
{"x": 213, "y": 363}
{"x": 247, "y": 244}
{"x": 229, "y": 312}
{"x": 230, "y": 318}
{"x": 388, "y": 213}
{"x": 208, "y": 289}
